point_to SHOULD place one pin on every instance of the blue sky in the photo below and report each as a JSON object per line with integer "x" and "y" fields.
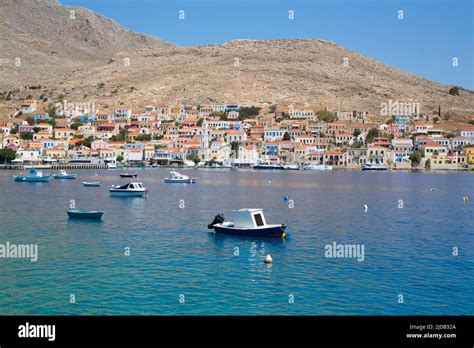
{"x": 425, "y": 42}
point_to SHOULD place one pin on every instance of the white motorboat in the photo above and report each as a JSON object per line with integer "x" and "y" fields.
{"x": 248, "y": 222}
{"x": 177, "y": 178}
{"x": 132, "y": 189}
{"x": 91, "y": 183}
{"x": 64, "y": 175}
{"x": 370, "y": 166}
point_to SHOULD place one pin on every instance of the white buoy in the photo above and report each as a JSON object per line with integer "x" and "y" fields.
{"x": 269, "y": 181}
{"x": 366, "y": 208}
{"x": 432, "y": 189}
{"x": 268, "y": 259}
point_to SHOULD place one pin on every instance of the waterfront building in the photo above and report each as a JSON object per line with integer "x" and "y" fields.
{"x": 469, "y": 151}
{"x": 430, "y": 149}
{"x": 335, "y": 158}
{"x": 403, "y": 144}
{"x": 377, "y": 155}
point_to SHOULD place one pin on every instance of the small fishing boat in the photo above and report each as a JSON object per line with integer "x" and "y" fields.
{"x": 317, "y": 167}
{"x": 91, "y": 183}
{"x": 111, "y": 166}
{"x": 34, "y": 175}
{"x": 248, "y": 222}
{"x": 85, "y": 214}
{"x": 132, "y": 189}
{"x": 64, "y": 175}
{"x": 128, "y": 175}
{"x": 177, "y": 178}
{"x": 370, "y": 166}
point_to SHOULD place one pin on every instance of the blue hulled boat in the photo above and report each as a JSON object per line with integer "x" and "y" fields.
{"x": 34, "y": 175}
{"x": 85, "y": 214}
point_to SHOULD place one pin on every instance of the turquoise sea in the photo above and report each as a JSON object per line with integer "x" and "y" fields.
{"x": 177, "y": 266}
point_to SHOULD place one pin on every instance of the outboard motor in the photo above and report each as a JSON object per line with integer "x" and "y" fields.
{"x": 217, "y": 220}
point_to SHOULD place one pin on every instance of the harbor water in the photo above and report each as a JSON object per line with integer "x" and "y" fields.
{"x": 155, "y": 255}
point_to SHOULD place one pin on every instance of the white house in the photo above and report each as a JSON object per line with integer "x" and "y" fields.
{"x": 302, "y": 114}
{"x": 273, "y": 134}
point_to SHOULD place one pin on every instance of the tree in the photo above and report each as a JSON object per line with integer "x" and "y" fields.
{"x": 415, "y": 158}
{"x": 245, "y": 112}
{"x": 199, "y": 122}
{"x": 356, "y": 133}
{"x": 471, "y": 122}
{"x": 119, "y": 137}
{"x": 273, "y": 109}
{"x": 326, "y": 116}
{"x": 30, "y": 120}
{"x": 26, "y": 136}
{"x": 52, "y": 122}
{"x": 76, "y": 125}
{"x": 86, "y": 142}
{"x": 447, "y": 116}
{"x": 143, "y": 137}
{"x": 7, "y": 155}
{"x": 373, "y": 133}
{"x": 195, "y": 159}
{"x": 286, "y": 136}
{"x": 119, "y": 158}
{"x": 234, "y": 146}
{"x": 51, "y": 110}
{"x": 454, "y": 90}
{"x": 212, "y": 161}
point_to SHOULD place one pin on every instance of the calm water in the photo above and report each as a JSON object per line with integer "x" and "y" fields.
{"x": 407, "y": 251}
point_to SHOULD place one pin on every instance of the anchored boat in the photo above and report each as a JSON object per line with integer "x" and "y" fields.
{"x": 91, "y": 183}
{"x": 248, "y": 222}
{"x": 34, "y": 175}
{"x": 268, "y": 166}
{"x": 178, "y": 178}
{"x": 85, "y": 214}
{"x": 370, "y": 166}
{"x": 132, "y": 189}
{"x": 64, "y": 175}
{"x": 126, "y": 175}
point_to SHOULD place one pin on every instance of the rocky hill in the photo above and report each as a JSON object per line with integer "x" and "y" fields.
{"x": 87, "y": 56}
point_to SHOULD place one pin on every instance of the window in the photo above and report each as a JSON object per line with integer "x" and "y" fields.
{"x": 258, "y": 219}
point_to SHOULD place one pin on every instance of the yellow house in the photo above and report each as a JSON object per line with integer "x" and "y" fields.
{"x": 470, "y": 154}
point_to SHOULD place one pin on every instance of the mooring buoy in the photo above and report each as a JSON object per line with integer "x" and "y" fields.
{"x": 268, "y": 259}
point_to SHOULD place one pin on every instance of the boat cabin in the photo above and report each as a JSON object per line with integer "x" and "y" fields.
{"x": 249, "y": 218}
{"x": 130, "y": 186}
